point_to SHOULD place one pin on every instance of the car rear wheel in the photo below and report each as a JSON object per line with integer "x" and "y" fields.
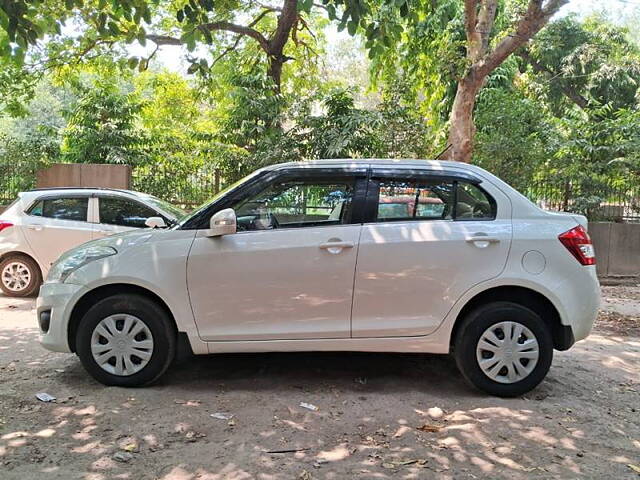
{"x": 126, "y": 340}
{"x": 19, "y": 276}
{"x": 503, "y": 349}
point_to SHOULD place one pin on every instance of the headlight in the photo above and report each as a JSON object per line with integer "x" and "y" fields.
{"x": 76, "y": 258}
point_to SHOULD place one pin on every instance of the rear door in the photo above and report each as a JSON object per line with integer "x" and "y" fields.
{"x": 428, "y": 237}
{"x": 117, "y": 214}
{"x": 55, "y": 224}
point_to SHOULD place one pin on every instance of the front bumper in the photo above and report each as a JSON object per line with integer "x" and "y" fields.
{"x": 57, "y": 299}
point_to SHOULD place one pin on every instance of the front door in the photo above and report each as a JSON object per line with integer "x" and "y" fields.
{"x": 288, "y": 271}
{"x": 429, "y": 241}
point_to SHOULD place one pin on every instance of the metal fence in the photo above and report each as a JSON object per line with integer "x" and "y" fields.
{"x": 189, "y": 187}
{"x": 16, "y": 178}
{"x": 184, "y": 187}
{"x": 601, "y": 201}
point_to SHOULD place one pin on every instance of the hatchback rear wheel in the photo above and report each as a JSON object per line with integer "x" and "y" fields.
{"x": 504, "y": 349}
{"x": 126, "y": 340}
{"x": 19, "y": 276}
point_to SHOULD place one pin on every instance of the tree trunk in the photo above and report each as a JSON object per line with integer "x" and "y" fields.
{"x": 275, "y": 71}
{"x": 461, "y": 126}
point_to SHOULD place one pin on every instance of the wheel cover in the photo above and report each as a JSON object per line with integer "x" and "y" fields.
{"x": 16, "y": 276}
{"x": 507, "y": 352}
{"x": 122, "y": 344}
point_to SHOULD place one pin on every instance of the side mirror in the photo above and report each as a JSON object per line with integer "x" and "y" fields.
{"x": 155, "y": 222}
{"x": 222, "y": 223}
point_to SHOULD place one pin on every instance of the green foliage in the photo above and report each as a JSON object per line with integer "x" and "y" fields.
{"x": 343, "y": 131}
{"x": 102, "y": 127}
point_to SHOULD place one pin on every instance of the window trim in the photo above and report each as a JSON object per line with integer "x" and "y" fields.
{"x": 122, "y": 197}
{"x": 27, "y": 211}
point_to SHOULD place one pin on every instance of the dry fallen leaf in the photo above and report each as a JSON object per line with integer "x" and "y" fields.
{"x": 429, "y": 428}
{"x": 305, "y": 475}
{"x": 635, "y": 468}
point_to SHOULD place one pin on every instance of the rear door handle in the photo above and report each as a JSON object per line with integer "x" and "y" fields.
{"x": 335, "y": 247}
{"x": 35, "y": 227}
{"x": 483, "y": 238}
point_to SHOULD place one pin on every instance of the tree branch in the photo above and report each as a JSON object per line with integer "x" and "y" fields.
{"x": 470, "y": 21}
{"x": 220, "y": 26}
{"x": 286, "y": 20}
{"x": 533, "y": 20}
{"x": 240, "y": 29}
{"x": 486, "y": 19}
{"x": 164, "y": 39}
{"x": 570, "y": 93}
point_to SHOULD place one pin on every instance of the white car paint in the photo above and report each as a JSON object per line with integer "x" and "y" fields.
{"x": 397, "y": 286}
{"x": 45, "y": 239}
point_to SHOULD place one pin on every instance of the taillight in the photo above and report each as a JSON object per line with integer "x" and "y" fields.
{"x": 578, "y": 242}
{"x": 4, "y": 225}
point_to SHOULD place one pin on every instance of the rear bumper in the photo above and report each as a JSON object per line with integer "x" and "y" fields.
{"x": 583, "y": 308}
{"x": 56, "y": 301}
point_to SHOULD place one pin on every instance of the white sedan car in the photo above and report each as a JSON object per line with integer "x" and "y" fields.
{"x": 40, "y": 225}
{"x": 368, "y": 255}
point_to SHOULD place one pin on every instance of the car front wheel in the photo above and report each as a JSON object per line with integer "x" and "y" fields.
{"x": 126, "y": 340}
{"x": 504, "y": 349}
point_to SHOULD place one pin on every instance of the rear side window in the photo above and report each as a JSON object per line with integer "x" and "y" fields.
{"x": 124, "y": 212}
{"x": 73, "y": 208}
{"x": 432, "y": 199}
{"x": 414, "y": 200}
{"x": 474, "y": 203}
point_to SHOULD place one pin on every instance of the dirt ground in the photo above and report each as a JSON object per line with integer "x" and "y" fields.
{"x": 379, "y": 416}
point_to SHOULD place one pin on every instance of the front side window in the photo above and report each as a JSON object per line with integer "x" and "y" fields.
{"x": 61, "y": 208}
{"x": 297, "y": 203}
{"x": 401, "y": 199}
{"x": 124, "y": 212}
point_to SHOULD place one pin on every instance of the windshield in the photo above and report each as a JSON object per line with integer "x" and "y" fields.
{"x": 176, "y": 212}
{"x": 217, "y": 196}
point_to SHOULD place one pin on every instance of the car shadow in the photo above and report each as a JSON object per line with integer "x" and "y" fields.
{"x": 318, "y": 370}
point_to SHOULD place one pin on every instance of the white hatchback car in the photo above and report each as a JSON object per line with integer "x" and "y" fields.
{"x": 368, "y": 255}
{"x": 42, "y": 224}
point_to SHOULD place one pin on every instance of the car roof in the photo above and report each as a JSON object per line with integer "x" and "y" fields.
{"x": 37, "y": 192}
{"x": 403, "y": 162}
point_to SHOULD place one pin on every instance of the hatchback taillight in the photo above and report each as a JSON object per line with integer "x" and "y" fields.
{"x": 4, "y": 225}
{"x": 578, "y": 242}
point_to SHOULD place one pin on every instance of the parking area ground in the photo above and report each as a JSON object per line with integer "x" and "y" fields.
{"x": 378, "y": 415}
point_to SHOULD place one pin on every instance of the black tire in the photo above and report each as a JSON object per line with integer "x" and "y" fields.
{"x": 35, "y": 281}
{"x": 156, "y": 320}
{"x": 473, "y": 327}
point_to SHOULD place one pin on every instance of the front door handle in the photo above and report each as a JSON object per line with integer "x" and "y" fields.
{"x": 335, "y": 246}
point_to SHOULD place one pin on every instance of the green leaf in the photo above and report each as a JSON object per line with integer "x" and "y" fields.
{"x": 132, "y": 62}
{"x": 180, "y": 15}
{"x": 352, "y": 27}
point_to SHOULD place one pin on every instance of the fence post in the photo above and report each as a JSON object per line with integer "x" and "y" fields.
{"x": 216, "y": 180}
